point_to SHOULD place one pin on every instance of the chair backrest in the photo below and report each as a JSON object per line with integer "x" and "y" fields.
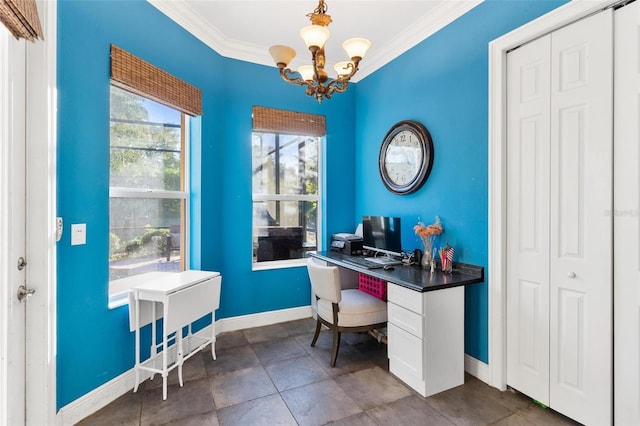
{"x": 325, "y": 281}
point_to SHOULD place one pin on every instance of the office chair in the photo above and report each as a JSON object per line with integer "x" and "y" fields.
{"x": 349, "y": 310}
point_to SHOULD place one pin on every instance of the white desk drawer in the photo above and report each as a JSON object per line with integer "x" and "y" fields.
{"x": 405, "y": 319}
{"x": 405, "y": 353}
{"x": 405, "y": 297}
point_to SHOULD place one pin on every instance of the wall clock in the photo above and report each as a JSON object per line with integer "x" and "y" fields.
{"x": 406, "y": 157}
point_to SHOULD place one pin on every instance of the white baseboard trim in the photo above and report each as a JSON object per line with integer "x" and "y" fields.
{"x": 476, "y": 368}
{"x": 262, "y": 319}
{"x": 103, "y": 395}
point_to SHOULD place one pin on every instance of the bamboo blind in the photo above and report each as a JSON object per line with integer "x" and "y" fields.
{"x": 281, "y": 121}
{"x": 21, "y": 18}
{"x": 140, "y": 77}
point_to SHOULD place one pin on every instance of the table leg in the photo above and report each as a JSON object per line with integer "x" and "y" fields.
{"x": 137, "y": 369}
{"x": 213, "y": 335}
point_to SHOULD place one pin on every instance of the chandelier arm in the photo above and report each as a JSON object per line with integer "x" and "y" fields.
{"x": 293, "y": 79}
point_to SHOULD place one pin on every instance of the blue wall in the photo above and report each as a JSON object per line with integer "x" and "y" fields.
{"x": 94, "y": 343}
{"x": 442, "y": 82}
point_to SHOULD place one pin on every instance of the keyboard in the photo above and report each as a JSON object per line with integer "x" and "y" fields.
{"x": 383, "y": 260}
{"x": 360, "y": 261}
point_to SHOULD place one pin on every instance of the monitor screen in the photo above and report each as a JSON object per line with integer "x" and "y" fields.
{"x": 383, "y": 234}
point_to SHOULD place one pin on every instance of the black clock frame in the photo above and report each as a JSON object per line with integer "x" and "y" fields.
{"x": 424, "y": 137}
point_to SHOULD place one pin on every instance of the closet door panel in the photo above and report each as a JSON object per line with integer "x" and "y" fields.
{"x": 626, "y": 216}
{"x": 528, "y": 220}
{"x": 581, "y": 231}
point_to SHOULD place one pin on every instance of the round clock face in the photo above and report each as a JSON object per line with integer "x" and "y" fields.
{"x": 406, "y": 157}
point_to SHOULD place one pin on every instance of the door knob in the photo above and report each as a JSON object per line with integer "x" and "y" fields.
{"x": 24, "y": 292}
{"x": 571, "y": 275}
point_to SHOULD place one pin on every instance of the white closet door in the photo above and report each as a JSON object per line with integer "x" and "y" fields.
{"x": 528, "y": 103}
{"x": 581, "y": 226}
{"x": 626, "y": 217}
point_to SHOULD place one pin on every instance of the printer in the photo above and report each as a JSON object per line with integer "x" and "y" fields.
{"x": 349, "y": 244}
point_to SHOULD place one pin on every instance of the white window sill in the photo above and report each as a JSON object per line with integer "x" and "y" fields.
{"x": 119, "y": 289}
{"x": 279, "y": 264}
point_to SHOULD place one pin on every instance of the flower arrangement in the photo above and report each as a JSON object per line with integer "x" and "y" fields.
{"x": 427, "y": 234}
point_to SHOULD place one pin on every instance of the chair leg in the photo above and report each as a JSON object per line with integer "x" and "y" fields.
{"x": 336, "y": 346}
{"x": 315, "y": 337}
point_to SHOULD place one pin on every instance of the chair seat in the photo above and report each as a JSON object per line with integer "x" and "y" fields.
{"x": 357, "y": 308}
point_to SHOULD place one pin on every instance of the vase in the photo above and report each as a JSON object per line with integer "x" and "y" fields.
{"x": 427, "y": 256}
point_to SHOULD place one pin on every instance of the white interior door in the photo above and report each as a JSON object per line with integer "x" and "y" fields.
{"x": 626, "y": 216}
{"x": 528, "y": 103}
{"x": 559, "y": 190}
{"x": 581, "y": 287}
{"x": 12, "y": 228}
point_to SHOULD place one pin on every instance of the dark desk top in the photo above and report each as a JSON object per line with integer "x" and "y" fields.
{"x": 412, "y": 276}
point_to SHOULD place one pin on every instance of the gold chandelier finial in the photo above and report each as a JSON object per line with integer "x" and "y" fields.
{"x": 314, "y": 77}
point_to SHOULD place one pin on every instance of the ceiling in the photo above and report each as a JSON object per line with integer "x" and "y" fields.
{"x": 245, "y": 30}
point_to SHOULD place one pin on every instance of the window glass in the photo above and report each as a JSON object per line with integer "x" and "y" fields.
{"x": 147, "y": 197}
{"x": 285, "y": 196}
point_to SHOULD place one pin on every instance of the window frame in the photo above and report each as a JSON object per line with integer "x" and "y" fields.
{"x": 300, "y": 262}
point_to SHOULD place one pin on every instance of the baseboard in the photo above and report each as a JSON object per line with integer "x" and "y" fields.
{"x": 103, "y": 395}
{"x": 476, "y": 368}
{"x": 262, "y": 319}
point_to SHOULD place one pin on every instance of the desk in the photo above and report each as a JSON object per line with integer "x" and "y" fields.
{"x": 425, "y": 321}
{"x": 186, "y": 297}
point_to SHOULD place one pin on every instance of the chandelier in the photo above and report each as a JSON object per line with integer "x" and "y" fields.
{"x": 314, "y": 77}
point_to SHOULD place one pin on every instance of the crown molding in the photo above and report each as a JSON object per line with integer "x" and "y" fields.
{"x": 184, "y": 15}
{"x": 425, "y": 27}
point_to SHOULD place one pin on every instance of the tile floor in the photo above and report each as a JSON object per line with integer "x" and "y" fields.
{"x": 271, "y": 376}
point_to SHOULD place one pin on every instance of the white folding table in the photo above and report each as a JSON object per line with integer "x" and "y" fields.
{"x": 186, "y": 297}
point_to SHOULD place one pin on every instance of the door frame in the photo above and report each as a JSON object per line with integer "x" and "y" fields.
{"x": 41, "y": 129}
{"x": 497, "y": 144}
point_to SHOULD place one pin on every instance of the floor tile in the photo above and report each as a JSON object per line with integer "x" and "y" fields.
{"x": 182, "y": 402}
{"x": 372, "y": 387}
{"x": 278, "y": 350}
{"x": 208, "y": 419}
{"x": 267, "y": 411}
{"x": 241, "y": 386}
{"x": 230, "y": 339}
{"x": 466, "y": 408}
{"x": 303, "y": 326}
{"x": 123, "y": 411}
{"x": 295, "y": 372}
{"x": 319, "y": 403}
{"x": 231, "y": 359}
{"x": 360, "y": 419}
{"x": 412, "y": 410}
{"x": 266, "y": 333}
{"x": 544, "y": 416}
{"x": 271, "y": 375}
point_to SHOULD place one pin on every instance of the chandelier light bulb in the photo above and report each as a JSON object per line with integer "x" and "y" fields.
{"x": 306, "y": 71}
{"x": 314, "y": 36}
{"x": 356, "y": 47}
{"x": 343, "y": 68}
{"x": 282, "y": 54}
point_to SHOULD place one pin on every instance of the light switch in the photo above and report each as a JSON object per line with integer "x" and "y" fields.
{"x": 78, "y": 234}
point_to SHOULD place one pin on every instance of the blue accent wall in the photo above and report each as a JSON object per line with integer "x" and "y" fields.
{"x": 94, "y": 343}
{"x": 441, "y": 82}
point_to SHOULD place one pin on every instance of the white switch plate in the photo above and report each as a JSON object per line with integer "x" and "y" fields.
{"x": 78, "y": 234}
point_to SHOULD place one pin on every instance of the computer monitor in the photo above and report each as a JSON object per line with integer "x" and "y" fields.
{"x": 382, "y": 234}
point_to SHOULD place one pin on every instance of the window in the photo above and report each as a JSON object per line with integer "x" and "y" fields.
{"x": 286, "y": 192}
{"x": 147, "y": 197}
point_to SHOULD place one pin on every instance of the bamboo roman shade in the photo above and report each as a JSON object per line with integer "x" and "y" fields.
{"x": 281, "y": 121}
{"x": 21, "y": 19}
{"x": 140, "y": 77}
